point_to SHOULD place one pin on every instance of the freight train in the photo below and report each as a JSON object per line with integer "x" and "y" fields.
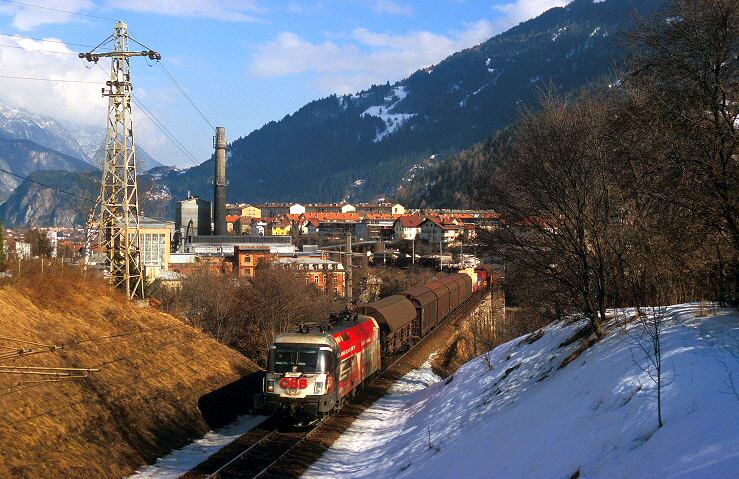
{"x": 313, "y": 370}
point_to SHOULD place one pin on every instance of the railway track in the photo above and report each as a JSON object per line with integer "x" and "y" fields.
{"x": 266, "y": 452}
{"x": 251, "y": 455}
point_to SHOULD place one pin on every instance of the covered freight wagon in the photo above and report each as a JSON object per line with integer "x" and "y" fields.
{"x": 395, "y": 315}
{"x": 425, "y": 302}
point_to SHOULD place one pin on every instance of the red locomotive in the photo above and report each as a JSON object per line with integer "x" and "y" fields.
{"x": 312, "y": 370}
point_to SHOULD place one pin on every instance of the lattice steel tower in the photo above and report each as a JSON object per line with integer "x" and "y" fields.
{"x": 118, "y": 218}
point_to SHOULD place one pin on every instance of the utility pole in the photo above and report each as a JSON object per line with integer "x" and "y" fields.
{"x": 118, "y": 219}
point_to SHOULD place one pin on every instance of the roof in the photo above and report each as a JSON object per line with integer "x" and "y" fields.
{"x": 410, "y": 221}
{"x": 422, "y": 294}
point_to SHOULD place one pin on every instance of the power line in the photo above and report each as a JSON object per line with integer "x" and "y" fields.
{"x": 185, "y": 94}
{"x": 43, "y": 39}
{"x": 59, "y": 10}
{"x": 165, "y": 131}
{"x": 33, "y": 50}
{"x": 161, "y": 127}
{"x": 48, "y": 79}
{"x": 47, "y": 186}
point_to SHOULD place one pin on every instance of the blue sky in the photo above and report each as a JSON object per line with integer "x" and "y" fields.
{"x": 240, "y": 63}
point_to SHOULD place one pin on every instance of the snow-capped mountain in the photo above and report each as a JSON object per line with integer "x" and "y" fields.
{"x": 19, "y": 124}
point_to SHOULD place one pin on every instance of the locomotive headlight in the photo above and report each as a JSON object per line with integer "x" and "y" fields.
{"x": 270, "y": 386}
{"x": 317, "y": 388}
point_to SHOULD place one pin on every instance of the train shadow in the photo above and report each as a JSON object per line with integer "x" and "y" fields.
{"x": 224, "y": 405}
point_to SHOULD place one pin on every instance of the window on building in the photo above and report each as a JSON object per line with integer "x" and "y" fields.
{"x": 152, "y": 248}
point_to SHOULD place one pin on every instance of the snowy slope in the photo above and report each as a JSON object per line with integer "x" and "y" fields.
{"x": 594, "y": 418}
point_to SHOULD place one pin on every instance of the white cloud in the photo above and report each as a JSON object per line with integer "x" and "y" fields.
{"x": 229, "y": 10}
{"x": 365, "y": 57}
{"x": 392, "y": 8}
{"x": 76, "y": 99}
{"x": 522, "y": 10}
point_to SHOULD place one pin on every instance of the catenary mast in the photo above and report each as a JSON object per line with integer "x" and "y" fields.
{"x": 118, "y": 218}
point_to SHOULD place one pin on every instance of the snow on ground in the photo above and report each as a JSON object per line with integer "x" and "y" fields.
{"x": 181, "y": 461}
{"x": 514, "y": 414}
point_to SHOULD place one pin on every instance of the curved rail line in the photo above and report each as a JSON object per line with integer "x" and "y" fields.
{"x": 255, "y": 461}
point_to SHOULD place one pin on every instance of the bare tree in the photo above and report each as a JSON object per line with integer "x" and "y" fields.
{"x": 556, "y": 193}
{"x": 686, "y": 62}
{"x": 646, "y": 351}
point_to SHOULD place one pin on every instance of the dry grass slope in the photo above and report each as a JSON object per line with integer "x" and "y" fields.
{"x": 142, "y": 402}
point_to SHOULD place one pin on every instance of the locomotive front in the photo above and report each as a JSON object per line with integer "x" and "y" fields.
{"x": 300, "y": 374}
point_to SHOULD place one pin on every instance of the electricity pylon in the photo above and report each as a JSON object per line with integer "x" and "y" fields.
{"x": 118, "y": 219}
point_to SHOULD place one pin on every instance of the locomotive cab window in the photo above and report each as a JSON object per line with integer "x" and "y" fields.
{"x": 297, "y": 359}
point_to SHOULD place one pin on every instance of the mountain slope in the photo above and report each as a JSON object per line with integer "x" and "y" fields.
{"x": 33, "y": 203}
{"x": 22, "y": 157}
{"x": 375, "y": 137}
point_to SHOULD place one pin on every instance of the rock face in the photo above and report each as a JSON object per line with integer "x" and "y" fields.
{"x": 20, "y": 158}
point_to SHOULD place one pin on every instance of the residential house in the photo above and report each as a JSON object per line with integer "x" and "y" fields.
{"x": 247, "y": 258}
{"x": 407, "y": 227}
{"x": 242, "y": 209}
{"x": 439, "y": 229}
{"x": 329, "y": 208}
{"x": 273, "y": 210}
{"x": 277, "y": 227}
{"x": 376, "y": 226}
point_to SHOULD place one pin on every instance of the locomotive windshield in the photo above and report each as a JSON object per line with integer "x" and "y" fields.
{"x": 284, "y": 359}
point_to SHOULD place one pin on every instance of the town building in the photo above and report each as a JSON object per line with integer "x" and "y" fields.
{"x": 407, "y": 227}
{"x": 326, "y": 275}
{"x": 193, "y": 217}
{"x": 242, "y": 209}
{"x": 394, "y": 209}
{"x": 272, "y": 210}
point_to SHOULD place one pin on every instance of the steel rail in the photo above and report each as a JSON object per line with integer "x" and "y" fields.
{"x": 214, "y": 474}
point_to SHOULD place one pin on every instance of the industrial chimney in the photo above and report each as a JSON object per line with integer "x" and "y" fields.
{"x": 219, "y": 183}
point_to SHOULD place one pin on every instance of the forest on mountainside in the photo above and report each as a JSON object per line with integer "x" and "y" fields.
{"x": 626, "y": 194}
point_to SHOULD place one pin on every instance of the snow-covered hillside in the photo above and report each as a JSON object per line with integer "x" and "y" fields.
{"x": 513, "y": 414}
{"x": 516, "y": 415}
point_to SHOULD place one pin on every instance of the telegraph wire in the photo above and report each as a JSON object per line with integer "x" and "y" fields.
{"x": 59, "y": 10}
